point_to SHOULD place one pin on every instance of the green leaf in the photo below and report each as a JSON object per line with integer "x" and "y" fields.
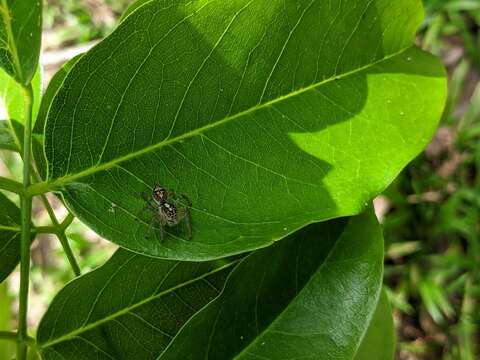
{"x": 38, "y": 129}
{"x": 7, "y": 139}
{"x": 52, "y": 88}
{"x": 9, "y": 236}
{"x": 310, "y": 294}
{"x": 133, "y": 305}
{"x": 11, "y": 135}
{"x": 309, "y": 297}
{"x": 7, "y": 348}
{"x": 266, "y": 123}
{"x": 379, "y": 341}
{"x": 132, "y": 7}
{"x": 20, "y": 36}
{"x": 12, "y": 99}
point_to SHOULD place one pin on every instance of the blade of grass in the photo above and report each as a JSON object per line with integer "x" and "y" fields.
{"x": 467, "y": 328}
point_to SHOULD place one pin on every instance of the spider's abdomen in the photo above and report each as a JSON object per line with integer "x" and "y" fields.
{"x": 169, "y": 213}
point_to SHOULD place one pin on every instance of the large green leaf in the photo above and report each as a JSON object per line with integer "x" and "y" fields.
{"x": 268, "y": 115}
{"x": 20, "y": 35}
{"x": 309, "y": 295}
{"x": 379, "y": 341}
{"x": 9, "y": 236}
{"x": 130, "y": 308}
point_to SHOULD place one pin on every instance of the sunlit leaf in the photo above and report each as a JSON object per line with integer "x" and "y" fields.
{"x": 7, "y": 348}
{"x": 12, "y": 97}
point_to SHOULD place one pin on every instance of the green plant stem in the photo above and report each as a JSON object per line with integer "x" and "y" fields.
{"x": 67, "y": 221}
{"x": 26, "y": 208}
{"x": 45, "y": 230}
{"x": 13, "y": 336}
{"x": 36, "y": 229}
{"x": 10, "y": 185}
{"x": 59, "y": 228}
{"x": 60, "y": 232}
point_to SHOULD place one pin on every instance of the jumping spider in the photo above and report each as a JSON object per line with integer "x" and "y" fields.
{"x": 168, "y": 209}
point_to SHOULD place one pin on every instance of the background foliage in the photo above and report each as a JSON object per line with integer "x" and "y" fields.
{"x": 431, "y": 222}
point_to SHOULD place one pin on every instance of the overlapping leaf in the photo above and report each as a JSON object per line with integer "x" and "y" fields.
{"x": 12, "y": 97}
{"x": 7, "y": 139}
{"x": 129, "y": 308}
{"x": 20, "y": 34}
{"x": 9, "y": 236}
{"x": 7, "y": 349}
{"x": 266, "y": 123}
{"x": 12, "y": 103}
{"x": 379, "y": 341}
{"x": 311, "y": 296}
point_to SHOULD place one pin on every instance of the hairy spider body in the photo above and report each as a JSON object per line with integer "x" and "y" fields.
{"x": 168, "y": 209}
{"x": 169, "y": 213}
{"x": 159, "y": 194}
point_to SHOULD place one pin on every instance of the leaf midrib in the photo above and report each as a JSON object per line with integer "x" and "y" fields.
{"x": 129, "y": 308}
{"x": 10, "y": 228}
{"x": 46, "y": 186}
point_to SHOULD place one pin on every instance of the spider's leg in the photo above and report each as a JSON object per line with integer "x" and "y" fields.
{"x": 154, "y": 230}
{"x": 170, "y": 194}
{"x": 161, "y": 222}
{"x": 188, "y": 203}
{"x": 149, "y": 206}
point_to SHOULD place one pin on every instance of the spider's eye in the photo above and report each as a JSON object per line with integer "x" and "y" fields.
{"x": 158, "y": 194}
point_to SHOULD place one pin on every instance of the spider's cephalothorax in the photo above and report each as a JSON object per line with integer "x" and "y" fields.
{"x": 168, "y": 209}
{"x": 159, "y": 194}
